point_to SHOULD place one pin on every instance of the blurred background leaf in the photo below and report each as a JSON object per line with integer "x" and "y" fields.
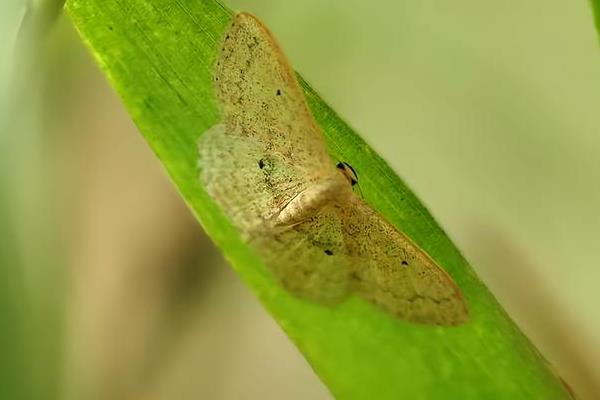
{"x": 29, "y": 267}
{"x": 596, "y": 11}
{"x": 488, "y": 111}
{"x": 13, "y": 372}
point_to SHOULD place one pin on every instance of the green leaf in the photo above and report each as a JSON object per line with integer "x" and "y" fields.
{"x": 596, "y": 11}
{"x": 29, "y": 322}
{"x": 159, "y": 56}
{"x": 13, "y": 368}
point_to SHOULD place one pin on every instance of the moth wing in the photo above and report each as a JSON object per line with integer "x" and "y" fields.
{"x": 248, "y": 181}
{"x": 309, "y": 259}
{"x": 394, "y": 273}
{"x": 260, "y": 97}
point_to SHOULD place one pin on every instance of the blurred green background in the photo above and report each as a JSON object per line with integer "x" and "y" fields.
{"x": 109, "y": 289}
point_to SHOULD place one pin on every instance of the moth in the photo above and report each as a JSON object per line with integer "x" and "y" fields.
{"x": 266, "y": 165}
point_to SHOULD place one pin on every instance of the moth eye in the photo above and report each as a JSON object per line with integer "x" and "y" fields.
{"x": 329, "y": 252}
{"x": 261, "y": 163}
{"x": 278, "y": 92}
{"x": 404, "y": 262}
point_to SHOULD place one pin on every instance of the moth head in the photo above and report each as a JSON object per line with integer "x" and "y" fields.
{"x": 348, "y": 172}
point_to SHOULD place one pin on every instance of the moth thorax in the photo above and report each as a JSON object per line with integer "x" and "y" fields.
{"x": 308, "y": 203}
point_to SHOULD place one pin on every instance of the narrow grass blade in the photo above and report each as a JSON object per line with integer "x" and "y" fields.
{"x": 159, "y": 56}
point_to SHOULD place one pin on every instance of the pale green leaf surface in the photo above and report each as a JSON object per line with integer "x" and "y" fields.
{"x": 159, "y": 56}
